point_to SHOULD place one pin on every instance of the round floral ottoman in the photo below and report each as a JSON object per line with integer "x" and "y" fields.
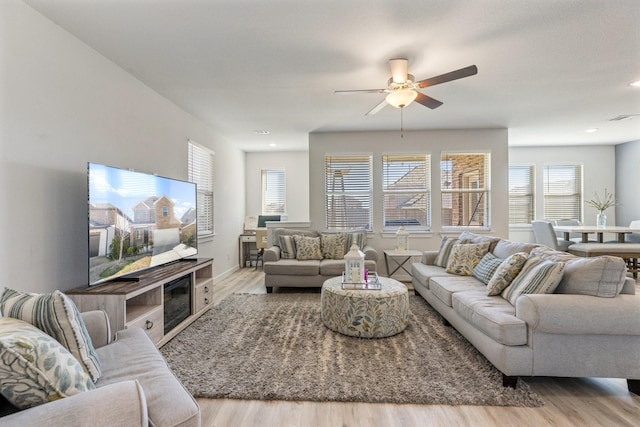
{"x": 365, "y": 313}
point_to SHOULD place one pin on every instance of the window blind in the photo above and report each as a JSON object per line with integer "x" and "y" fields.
{"x": 348, "y": 192}
{"x": 201, "y": 173}
{"x": 464, "y": 184}
{"x": 406, "y": 190}
{"x": 563, "y": 192}
{"x": 521, "y": 194}
{"x": 273, "y": 191}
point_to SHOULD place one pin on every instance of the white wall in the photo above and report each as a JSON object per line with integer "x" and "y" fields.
{"x": 63, "y": 105}
{"x": 296, "y": 166}
{"x": 599, "y": 170}
{"x": 378, "y": 143}
{"x": 627, "y": 181}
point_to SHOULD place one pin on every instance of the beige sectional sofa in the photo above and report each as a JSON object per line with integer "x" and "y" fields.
{"x": 136, "y": 388}
{"x": 586, "y": 325}
{"x": 299, "y": 270}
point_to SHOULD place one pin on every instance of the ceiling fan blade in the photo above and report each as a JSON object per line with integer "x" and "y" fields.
{"x": 399, "y": 67}
{"x": 427, "y": 101}
{"x": 377, "y": 108}
{"x": 447, "y": 77}
{"x": 347, "y": 92}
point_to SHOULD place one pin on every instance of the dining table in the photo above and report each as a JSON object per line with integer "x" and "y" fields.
{"x": 585, "y": 230}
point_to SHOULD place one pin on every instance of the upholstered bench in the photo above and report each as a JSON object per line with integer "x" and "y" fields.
{"x": 630, "y": 252}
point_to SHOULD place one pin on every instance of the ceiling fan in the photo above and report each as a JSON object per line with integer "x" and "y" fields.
{"x": 402, "y": 89}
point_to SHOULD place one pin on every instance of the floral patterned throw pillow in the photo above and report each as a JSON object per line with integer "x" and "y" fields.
{"x": 307, "y": 248}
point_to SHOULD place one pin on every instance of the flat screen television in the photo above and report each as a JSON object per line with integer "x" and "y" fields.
{"x": 137, "y": 221}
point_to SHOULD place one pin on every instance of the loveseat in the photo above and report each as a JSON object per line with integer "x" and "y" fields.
{"x": 135, "y": 387}
{"x": 315, "y": 258}
{"x": 556, "y": 315}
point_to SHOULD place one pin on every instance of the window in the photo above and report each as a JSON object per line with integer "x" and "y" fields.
{"x": 201, "y": 173}
{"x": 273, "y": 192}
{"x": 406, "y": 190}
{"x": 348, "y": 191}
{"x": 464, "y": 184}
{"x": 563, "y": 192}
{"x": 521, "y": 194}
{"x": 165, "y": 211}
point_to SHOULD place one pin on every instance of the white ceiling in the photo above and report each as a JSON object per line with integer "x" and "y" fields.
{"x": 547, "y": 69}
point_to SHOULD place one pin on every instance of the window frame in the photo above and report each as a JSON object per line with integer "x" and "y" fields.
{"x": 357, "y": 202}
{"x": 407, "y": 192}
{"x": 280, "y": 198}
{"x": 470, "y": 203}
{"x": 200, "y": 165}
{"x": 577, "y": 212}
{"x": 529, "y": 192}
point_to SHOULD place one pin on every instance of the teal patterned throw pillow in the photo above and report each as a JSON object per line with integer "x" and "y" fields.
{"x": 57, "y": 315}
{"x": 35, "y": 368}
{"x": 486, "y": 267}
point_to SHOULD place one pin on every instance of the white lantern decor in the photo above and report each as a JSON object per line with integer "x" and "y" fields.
{"x": 402, "y": 239}
{"x": 354, "y": 265}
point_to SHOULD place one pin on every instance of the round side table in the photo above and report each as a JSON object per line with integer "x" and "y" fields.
{"x": 365, "y": 313}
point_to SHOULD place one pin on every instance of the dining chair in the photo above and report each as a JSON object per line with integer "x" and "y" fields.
{"x": 633, "y": 237}
{"x": 545, "y": 235}
{"x": 261, "y": 245}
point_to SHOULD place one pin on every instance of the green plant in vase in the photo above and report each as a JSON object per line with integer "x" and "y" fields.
{"x": 602, "y": 205}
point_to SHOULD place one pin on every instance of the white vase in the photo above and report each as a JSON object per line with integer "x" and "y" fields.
{"x": 601, "y": 219}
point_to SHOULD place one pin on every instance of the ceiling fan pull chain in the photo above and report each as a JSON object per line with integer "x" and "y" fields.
{"x": 401, "y": 123}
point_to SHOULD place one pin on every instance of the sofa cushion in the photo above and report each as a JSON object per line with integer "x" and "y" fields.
{"x": 465, "y": 257}
{"x": 333, "y": 245}
{"x": 506, "y": 272}
{"x": 445, "y": 287}
{"x": 307, "y": 248}
{"x": 506, "y": 248}
{"x": 293, "y": 267}
{"x": 446, "y": 246}
{"x": 492, "y": 315}
{"x": 287, "y": 246}
{"x": 538, "y": 276}
{"x": 601, "y": 276}
{"x": 57, "y": 315}
{"x": 486, "y": 267}
{"x": 423, "y": 272}
{"x": 133, "y": 356}
{"x": 35, "y": 368}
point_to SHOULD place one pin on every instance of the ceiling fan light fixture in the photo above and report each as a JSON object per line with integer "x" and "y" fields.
{"x": 401, "y": 98}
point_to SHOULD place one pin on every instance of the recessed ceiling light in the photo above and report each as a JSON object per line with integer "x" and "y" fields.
{"x": 261, "y": 132}
{"x": 635, "y": 84}
{"x": 273, "y": 145}
{"x": 592, "y": 130}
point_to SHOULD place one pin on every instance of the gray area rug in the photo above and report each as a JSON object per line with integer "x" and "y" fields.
{"x": 275, "y": 347}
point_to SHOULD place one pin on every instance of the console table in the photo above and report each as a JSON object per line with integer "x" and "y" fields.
{"x": 140, "y": 303}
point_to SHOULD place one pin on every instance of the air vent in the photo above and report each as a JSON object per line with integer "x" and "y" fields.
{"x": 623, "y": 117}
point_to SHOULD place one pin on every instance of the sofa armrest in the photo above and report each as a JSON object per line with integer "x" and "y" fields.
{"x": 271, "y": 254}
{"x": 118, "y": 404}
{"x": 370, "y": 253}
{"x": 429, "y": 257}
{"x": 97, "y": 324}
{"x": 580, "y": 314}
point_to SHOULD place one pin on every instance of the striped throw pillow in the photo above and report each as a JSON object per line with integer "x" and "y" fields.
{"x": 486, "y": 267}
{"x": 287, "y": 247}
{"x": 537, "y": 277}
{"x": 446, "y": 245}
{"x": 57, "y": 315}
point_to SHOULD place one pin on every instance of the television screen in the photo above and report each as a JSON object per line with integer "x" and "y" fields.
{"x": 137, "y": 221}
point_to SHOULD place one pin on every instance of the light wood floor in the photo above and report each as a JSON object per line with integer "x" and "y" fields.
{"x": 568, "y": 401}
